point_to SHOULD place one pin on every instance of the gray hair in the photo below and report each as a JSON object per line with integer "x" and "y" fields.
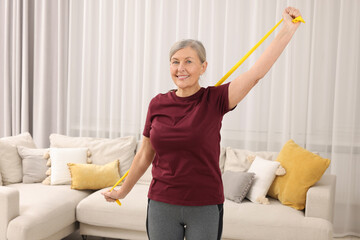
{"x": 194, "y": 44}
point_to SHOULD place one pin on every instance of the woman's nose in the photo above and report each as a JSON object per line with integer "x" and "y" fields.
{"x": 181, "y": 67}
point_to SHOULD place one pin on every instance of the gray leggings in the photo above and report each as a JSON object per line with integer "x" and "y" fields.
{"x": 167, "y": 221}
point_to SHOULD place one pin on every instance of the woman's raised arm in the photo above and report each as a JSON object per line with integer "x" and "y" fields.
{"x": 240, "y": 86}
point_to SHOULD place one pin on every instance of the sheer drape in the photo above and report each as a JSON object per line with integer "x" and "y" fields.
{"x": 33, "y": 67}
{"x": 15, "y": 72}
{"x": 90, "y": 68}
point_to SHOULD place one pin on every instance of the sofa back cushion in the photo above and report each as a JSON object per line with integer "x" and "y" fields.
{"x": 103, "y": 150}
{"x": 10, "y": 161}
{"x": 237, "y": 160}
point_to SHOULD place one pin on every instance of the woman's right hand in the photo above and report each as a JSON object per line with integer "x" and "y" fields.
{"x": 141, "y": 162}
{"x": 113, "y": 195}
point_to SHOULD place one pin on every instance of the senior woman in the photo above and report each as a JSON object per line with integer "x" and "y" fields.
{"x": 182, "y": 141}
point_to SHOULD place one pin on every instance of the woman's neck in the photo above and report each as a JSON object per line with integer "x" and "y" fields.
{"x": 186, "y": 92}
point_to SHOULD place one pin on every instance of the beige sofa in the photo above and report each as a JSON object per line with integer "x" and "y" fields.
{"x": 52, "y": 212}
{"x": 38, "y": 211}
{"x": 246, "y": 220}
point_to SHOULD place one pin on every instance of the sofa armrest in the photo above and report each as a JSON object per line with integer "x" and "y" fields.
{"x": 320, "y": 198}
{"x": 9, "y": 208}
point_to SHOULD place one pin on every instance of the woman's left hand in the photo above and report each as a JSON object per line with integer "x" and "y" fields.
{"x": 288, "y": 15}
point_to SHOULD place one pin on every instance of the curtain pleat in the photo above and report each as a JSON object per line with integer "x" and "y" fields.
{"x": 62, "y": 65}
{"x": 6, "y": 65}
{"x": 90, "y": 68}
{"x": 24, "y": 71}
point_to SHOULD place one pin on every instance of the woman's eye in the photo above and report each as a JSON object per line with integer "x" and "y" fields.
{"x": 175, "y": 62}
{"x": 188, "y": 61}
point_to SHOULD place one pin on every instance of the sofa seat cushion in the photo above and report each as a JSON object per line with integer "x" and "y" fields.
{"x": 44, "y": 210}
{"x": 131, "y": 215}
{"x": 248, "y": 220}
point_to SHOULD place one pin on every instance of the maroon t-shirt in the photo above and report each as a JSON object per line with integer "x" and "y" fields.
{"x": 185, "y": 133}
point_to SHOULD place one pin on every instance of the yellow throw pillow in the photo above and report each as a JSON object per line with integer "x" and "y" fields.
{"x": 93, "y": 177}
{"x": 303, "y": 170}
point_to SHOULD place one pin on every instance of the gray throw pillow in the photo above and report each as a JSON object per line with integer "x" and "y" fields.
{"x": 34, "y": 164}
{"x": 237, "y": 184}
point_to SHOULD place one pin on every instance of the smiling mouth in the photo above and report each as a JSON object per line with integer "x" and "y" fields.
{"x": 182, "y": 77}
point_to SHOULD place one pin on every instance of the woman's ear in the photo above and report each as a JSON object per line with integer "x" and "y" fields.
{"x": 203, "y": 67}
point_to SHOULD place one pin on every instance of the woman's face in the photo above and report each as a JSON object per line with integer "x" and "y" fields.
{"x": 186, "y": 68}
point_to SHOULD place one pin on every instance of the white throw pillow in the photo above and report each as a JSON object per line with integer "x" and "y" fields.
{"x": 264, "y": 176}
{"x": 237, "y": 161}
{"x": 60, "y": 157}
{"x": 103, "y": 150}
{"x": 10, "y": 161}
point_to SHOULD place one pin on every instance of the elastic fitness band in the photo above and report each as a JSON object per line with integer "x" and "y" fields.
{"x": 297, "y": 19}
{"x": 120, "y": 180}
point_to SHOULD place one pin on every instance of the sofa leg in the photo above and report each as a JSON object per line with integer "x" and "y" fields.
{"x": 84, "y": 237}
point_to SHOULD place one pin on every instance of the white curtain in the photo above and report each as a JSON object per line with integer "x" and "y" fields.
{"x": 14, "y": 69}
{"x": 33, "y": 67}
{"x": 90, "y": 68}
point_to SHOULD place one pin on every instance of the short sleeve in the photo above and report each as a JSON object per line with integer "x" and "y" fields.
{"x": 148, "y": 120}
{"x": 220, "y": 95}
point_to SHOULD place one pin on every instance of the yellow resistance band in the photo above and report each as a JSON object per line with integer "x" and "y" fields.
{"x": 298, "y": 19}
{"x": 120, "y": 180}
